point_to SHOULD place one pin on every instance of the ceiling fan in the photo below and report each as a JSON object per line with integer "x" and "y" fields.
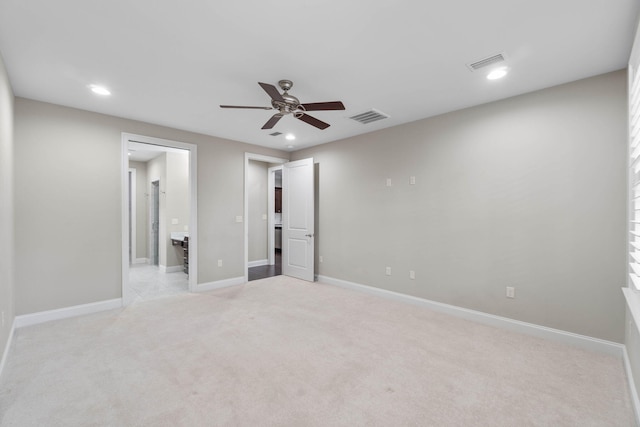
{"x": 289, "y": 104}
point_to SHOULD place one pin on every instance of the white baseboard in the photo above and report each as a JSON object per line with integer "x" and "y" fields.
{"x": 582, "y": 341}
{"x": 172, "y": 269}
{"x": 5, "y": 353}
{"x": 64, "y": 313}
{"x": 141, "y": 261}
{"x": 258, "y": 263}
{"x": 219, "y": 284}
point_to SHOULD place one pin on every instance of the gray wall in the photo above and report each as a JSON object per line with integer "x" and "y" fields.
{"x": 67, "y": 225}
{"x": 142, "y": 209}
{"x": 526, "y": 192}
{"x": 257, "y": 192}
{"x": 6, "y": 208}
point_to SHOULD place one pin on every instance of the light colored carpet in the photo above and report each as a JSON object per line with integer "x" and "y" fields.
{"x": 282, "y": 352}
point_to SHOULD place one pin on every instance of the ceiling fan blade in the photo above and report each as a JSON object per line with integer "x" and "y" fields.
{"x": 272, "y": 121}
{"x": 245, "y": 106}
{"x": 272, "y": 91}
{"x": 323, "y": 106}
{"x": 313, "y": 121}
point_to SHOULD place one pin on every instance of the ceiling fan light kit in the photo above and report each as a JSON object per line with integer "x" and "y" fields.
{"x": 285, "y": 104}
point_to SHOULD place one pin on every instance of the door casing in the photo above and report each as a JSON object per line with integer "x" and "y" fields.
{"x": 127, "y": 294}
{"x": 270, "y": 205}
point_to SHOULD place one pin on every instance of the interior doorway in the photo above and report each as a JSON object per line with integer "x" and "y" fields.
{"x": 160, "y": 241}
{"x": 298, "y": 211}
{"x": 260, "y": 216}
{"x": 265, "y": 234}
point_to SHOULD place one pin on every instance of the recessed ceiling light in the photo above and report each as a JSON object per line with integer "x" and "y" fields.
{"x": 290, "y": 137}
{"x": 289, "y": 146}
{"x": 100, "y": 90}
{"x": 498, "y": 73}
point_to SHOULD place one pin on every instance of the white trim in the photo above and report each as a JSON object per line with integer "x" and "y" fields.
{"x": 141, "y": 261}
{"x": 635, "y": 401}
{"x": 152, "y": 250}
{"x": 582, "y": 341}
{"x": 633, "y": 302}
{"x": 258, "y": 263}
{"x": 127, "y": 294}
{"x": 7, "y": 348}
{"x": 133, "y": 201}
{"x": 271, "y": 211}
{"x": 64, "y": 313}
{"x": 219, "y": 284}
{"x": 172, "y": 269}
{"x": 259, "y": 158}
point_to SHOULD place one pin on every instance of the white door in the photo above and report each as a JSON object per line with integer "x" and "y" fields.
{"x": 298, "y": 219}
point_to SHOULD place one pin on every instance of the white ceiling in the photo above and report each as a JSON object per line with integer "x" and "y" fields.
{"x": 173, "y": 63}
{"x": 143, "y": 152}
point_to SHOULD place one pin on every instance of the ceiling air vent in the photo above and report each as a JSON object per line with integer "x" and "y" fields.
{"x": 369, "y": 116}
{"x": 275, "y": 133}
{"x": 487, "y": 61}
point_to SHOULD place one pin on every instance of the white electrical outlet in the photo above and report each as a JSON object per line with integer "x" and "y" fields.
{"x": 388, "y": 271}
{"x": 412, "y": 275}
{"x": 239, "y": 218}
{"x": 388, "y": 182}
{"x": 320, "y": 258}
{"x": 511, "y": 292}
{"x": 412, "y": 180}
{"x": 264, "y": 217}
{"x": 219, "y": 263}
{"x": 174, "y": 221}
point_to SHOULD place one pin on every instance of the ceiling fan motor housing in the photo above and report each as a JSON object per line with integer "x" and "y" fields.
{"x": 289, "y": 103}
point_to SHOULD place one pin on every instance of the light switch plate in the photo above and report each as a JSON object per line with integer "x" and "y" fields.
{"x": 239, "y": 218}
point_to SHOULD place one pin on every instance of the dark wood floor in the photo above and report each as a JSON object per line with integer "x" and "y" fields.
{"x": 265, "y": 271}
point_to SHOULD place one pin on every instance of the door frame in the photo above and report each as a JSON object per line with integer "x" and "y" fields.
{"x": 133, "y": 195}
{"x": 153, "y": 249}
{"x": 270, "y": 205}
{"x": 127, "y": 295}
{"x": 271, "y": 208}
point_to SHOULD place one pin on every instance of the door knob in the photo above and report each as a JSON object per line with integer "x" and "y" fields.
{"x": 309, "y": 235}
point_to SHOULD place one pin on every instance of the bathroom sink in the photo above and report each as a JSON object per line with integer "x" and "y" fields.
{"x": 179, "y": 235}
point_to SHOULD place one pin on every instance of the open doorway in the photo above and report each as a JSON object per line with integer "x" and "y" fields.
{"x": 260, "y": 216}
{"x": 298, "y": 223}
{"x": 264, "y": 220}
{"x": 161, "y": 234}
